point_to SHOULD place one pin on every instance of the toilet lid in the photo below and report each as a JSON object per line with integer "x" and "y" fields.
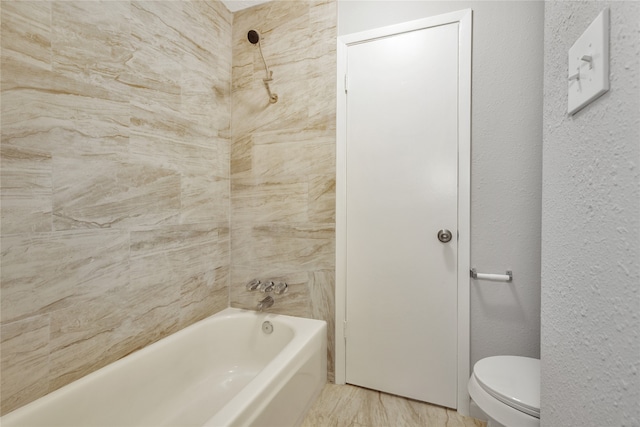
{"x": 513, "y": 380}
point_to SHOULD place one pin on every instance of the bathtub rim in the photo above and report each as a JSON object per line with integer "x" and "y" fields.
{"x": 313, "y": 329}
{"x": 304, "y": 329}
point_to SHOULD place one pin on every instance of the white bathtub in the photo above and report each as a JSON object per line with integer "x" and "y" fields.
{"x": 221, "y": 371}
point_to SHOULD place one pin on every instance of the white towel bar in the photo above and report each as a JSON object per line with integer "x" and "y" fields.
{"x": 508, "y": 277}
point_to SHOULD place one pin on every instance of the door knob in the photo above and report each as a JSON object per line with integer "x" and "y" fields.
{"x": 444, "y": 236}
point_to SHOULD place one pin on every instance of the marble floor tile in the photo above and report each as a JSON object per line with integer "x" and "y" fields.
{"x": 347, "y": 405}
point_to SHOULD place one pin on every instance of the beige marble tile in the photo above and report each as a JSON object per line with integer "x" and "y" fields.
{"x": 252, "y": 111}
{"x": 87, "y": 336}
{"x": 279, "y": 200}
{"x": 347, "y": 405}
{"x": 91, "y": 45}
{"x": 45, "y": 272}
{"x": 284, "y": 246}
{"x": 289, "y": 158}
{"x": 207, "y": 55}
{"x": 321, "y": 105}
{"x": 201, "y": 297}
{"x": 322, "y": 297}
{"x": 322, "y": 199}
{"x": 52, "y": 112}
{"x": 154, "y": 72}
{"x": 41, "y": 120}
{"x": 293, "y": 152}
{"x": 241, "y": 156}
{"x": 199, "y": 302}
{"x": 323, "y": 150}
{"x": 202, "y": 173}
{"x": 25, "y": 190}
{"x": 242, "y": 61}
{"x": 222, "y": 165}
{"x": 299, "y": 47}
{"x": 26, "y": 34}
{"x": 157, "y": 113}
{"x": 153, "y": 312}
{"x": 298, "y": 134}
{"x": 285, "y": 40}
{"x": 204, "y": 199}
{"x": 211, "y": 110}
{"x": 209, "y": 29}
{"x": 198, "y": 67}
{"x": 94, "y": 192}
{"x": 168, "y": 152}
{"x": 157, "y": 46}
{"x": 322, "y": 23}
{"x": 190, "y": 261}
{"x": 295, "y": 302}
{"x": 172, "y": 239}
{"x": 184, "y": 268}
{"x": 24, "y": 361}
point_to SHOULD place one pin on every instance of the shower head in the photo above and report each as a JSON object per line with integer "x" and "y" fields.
{"x": 253, "y": 36}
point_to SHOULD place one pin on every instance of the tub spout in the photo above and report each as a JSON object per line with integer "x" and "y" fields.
{"x": 266, "y": 302}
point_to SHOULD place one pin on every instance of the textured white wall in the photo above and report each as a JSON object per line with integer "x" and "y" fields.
{"x": 506, "y": 159}
{"x": 590, "y": 229}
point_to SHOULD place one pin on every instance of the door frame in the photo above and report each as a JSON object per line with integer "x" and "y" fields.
{"x": 464, "y": 20}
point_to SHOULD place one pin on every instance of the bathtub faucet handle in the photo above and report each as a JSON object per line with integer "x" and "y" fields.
{"x": 253, "y": 285}
{"x": 266, "y": 302}
{"x": 281, "y": 288}
{"x": 267, "y": 286}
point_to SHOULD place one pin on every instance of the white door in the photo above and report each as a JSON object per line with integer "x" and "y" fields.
{"x": 401, "y": 189}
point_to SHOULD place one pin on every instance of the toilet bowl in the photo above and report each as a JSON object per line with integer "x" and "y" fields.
{"x": 507, "y": 389}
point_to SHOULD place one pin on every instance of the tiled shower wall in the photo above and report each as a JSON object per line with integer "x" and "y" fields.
{"x": 114, "y": 181}
{"x": 283, "y": 158}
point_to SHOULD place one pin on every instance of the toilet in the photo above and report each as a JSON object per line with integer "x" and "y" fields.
{"x": 507, "y": 389}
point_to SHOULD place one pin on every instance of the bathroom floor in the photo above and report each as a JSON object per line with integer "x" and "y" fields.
{"x": 350, "y": 406}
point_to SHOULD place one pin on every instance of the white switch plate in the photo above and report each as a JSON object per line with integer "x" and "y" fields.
{"x": 589, "y": 64}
